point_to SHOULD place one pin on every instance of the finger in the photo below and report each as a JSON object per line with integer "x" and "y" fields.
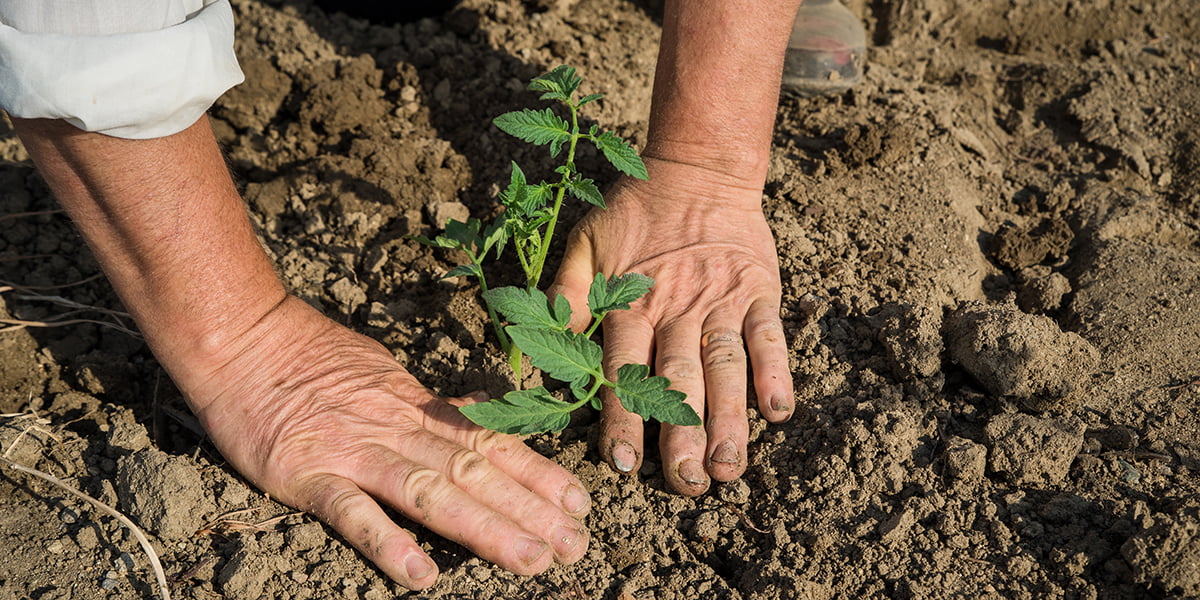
{"x": 508, "y": 453}
{"x": 574, "y": 278}
{"x": 767, "y": 347}
{"x": 628, "y": 338}
{"x": 723, "y": 355}
{"x": 361, "y": 521}
{"x": 677, "y": 358}
{"x": 431, "y": 499}
{"x": 474, "y": 474}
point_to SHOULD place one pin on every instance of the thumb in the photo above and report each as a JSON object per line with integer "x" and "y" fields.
{"x": 574, "y": 279}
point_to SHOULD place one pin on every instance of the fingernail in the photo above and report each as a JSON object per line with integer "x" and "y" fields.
{"x": 726, "y": 453}
{"x": 574, "y": 499}
{"x": 567, "y": 537}
{"x": 529, "y": 549}
{"x": 780, "y": 405}
{"x": 692, "y": 472}
{"x": 624, "y": 457}
{"x": 418, "y": 567}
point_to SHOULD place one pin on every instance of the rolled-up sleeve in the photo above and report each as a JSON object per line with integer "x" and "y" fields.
{"x": 133, "y": 75}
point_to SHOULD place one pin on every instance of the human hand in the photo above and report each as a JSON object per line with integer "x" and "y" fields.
{"x": 705, "y": 242}
{"x": 325, "y": 420}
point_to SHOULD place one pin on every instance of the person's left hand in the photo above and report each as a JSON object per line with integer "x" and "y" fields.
{"x": 715, "y": 303}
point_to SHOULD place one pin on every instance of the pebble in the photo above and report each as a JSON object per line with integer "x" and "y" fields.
{"x": 54, "y": 547}
{"x": 68, "y": 515}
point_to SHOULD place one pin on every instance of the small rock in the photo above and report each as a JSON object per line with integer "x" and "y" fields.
{"x": 54, "y": 547}
{"x": 707, "y": 526}
{"x": 86, "y": 537}
{"x": 912, "y": 339}
{"x": 163, "y": 493}
{"x": 441, "y": 212}
{"x": 305, "y": 536}
{"x": 1026, "y": 357}
{"x": 68, "y": 515}
{"x": 735, "y": 492}
{"x": 1043, "y": 294}
{"x": 965, "y": 460}
{"x": 896, "y": 527}
{"x": 1031, "y": 450}
{"x": 244, "y": 576}
{"x": 347, "y": 294}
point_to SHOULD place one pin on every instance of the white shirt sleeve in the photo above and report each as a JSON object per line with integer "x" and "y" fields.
{"x": 134, "y": 69}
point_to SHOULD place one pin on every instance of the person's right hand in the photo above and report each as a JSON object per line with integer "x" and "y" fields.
{"x": 325, "y": 420}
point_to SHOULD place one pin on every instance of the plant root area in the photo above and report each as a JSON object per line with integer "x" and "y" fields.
{"x": 990, "y": 252}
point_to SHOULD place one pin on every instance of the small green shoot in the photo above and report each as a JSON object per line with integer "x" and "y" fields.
{"x": 535, "y": 324}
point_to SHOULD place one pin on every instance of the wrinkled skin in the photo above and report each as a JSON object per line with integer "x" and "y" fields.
{"x": 326, "y": 420}
{"x": 704, "y": 240}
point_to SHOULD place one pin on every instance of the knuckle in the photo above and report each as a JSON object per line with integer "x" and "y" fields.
{"x": 493, "y": 442}
{"x": 467, "y": 465}
{"x": 677, "y": 367}
{"x": 421, "y": 486}
{"x": 765, "y": 329}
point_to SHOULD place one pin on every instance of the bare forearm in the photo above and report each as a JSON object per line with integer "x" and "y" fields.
{"x": 716, "y": 87}
{"x": 165, "y": 222}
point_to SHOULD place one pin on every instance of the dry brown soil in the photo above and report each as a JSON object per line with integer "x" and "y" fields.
{"x": 991, "y": 259}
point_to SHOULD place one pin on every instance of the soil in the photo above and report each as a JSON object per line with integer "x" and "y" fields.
{"x": 991, "y": 258}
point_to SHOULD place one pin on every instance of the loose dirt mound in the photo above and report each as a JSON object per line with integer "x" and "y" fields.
{"x": 1002, "y": 159}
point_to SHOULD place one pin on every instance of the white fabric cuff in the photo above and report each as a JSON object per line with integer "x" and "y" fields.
{"x": 129, "y": 85}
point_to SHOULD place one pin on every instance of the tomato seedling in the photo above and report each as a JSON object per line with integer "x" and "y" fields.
{"x": 535, "y": 324}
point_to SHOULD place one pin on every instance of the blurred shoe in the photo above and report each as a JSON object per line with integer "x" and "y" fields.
{"x": 827, "y": 51}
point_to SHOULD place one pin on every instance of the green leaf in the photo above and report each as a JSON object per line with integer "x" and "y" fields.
{"x": 586, "y": 190}
{"x": 540, "y": 194}
{"x": 560, "y": 83}
{"x": 564, "y": 355}
{"x": 650, "y": 398}
{"x": 534, "y": 126}
{"x": 495, "y": 235}
{"x": 529, "y": 307}
{"x": 521, "y": 412}
{"x": 470, "y": 270}
{"x": 589, "y": 98}
{"x": 555, "y": 147}
{"x": 616, "y": 293}
{"x": 621, "y": 155}
{"x": 466, "y": 234}
{"x": 440, "y": 241}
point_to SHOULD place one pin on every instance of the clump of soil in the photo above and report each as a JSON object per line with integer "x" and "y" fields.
{"x": 948, "y": 441}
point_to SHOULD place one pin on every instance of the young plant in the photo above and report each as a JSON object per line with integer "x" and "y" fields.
{"x": 536, "y": 324}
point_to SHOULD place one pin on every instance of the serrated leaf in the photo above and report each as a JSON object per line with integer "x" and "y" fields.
{"x": 589, "y": 98}
{"x": 521, "y": 412}
{"x": 469, "y": 270}
{"x": 564, "y": 355}
{"x": 650, "y": 398}
{"x": 586, "y": 190}
{"x": 555, "y": 147}
{"x": 528, "y": 307}
{"x": 616, "y": 293}
{"x": 539, "y": 195}
{"x": 621, "y": 155}
{"x": 534, "y": 126}
{"x": 561, "y": 79}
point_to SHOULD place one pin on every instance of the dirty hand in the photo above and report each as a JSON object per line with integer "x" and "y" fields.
{"x": 325, "y": 420}
{"x": 715, "y": 303}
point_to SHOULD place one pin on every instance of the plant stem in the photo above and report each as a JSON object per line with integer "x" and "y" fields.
{"x": 540, "y": 260}
{"x": 505, "y": 343}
